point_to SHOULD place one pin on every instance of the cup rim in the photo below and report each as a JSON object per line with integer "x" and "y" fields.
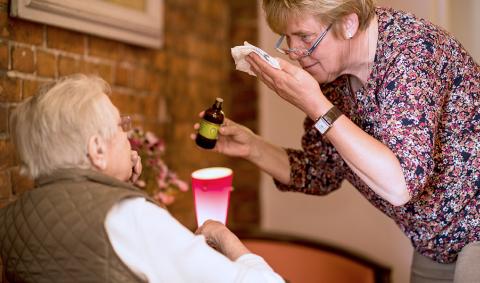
{"x": 212, "y": 173}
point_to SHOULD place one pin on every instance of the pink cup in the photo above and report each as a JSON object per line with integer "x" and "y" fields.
{"x": 211, "y": 191}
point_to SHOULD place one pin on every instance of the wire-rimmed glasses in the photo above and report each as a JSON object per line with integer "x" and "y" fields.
{"x": 125, "y": 123}
{"x": 300, "y": 52}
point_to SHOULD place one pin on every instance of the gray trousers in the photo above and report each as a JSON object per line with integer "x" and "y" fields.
{"x": 465, "y": 270}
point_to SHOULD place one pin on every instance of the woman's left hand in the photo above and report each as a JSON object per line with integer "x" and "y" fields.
{"x": 291, "y": 83}
{"x": 137, "y": 166}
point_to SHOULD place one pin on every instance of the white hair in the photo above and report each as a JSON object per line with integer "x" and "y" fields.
{"x": 51, "y": 130}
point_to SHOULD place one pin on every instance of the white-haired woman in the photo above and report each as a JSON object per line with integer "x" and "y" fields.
{"x": 84, "y": 222}
{"x": 393, "y": 106}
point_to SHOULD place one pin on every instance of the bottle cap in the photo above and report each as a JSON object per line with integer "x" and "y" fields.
{"x": 218, "y": 99}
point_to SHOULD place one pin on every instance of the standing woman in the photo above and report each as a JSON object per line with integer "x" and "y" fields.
{"x": 393, "y": 106}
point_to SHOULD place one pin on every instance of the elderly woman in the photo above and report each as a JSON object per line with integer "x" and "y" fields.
{"x": 393, "y": 106}
{"x": 84, "y": 222}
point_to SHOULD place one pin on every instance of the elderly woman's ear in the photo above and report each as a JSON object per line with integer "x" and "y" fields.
{"x": 350, "y": 25}
{"x": 97, "y": 152}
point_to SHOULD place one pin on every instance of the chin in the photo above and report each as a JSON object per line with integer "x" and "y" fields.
{"x": 322, "y": 77}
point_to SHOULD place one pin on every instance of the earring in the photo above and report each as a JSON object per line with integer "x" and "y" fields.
{"x": 349, "y": 35}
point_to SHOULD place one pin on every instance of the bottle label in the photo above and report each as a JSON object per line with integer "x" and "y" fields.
{"x": 208, "y": 129}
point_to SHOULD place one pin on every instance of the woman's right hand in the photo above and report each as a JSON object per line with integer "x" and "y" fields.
{"x": 233, "y": 139}
{"x": 239, "y": 141}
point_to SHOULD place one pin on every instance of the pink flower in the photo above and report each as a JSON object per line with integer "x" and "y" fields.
{"x": 164, "y": 198}
{"x": 181, "y": 185}
{"x": 156, "y": 179}
{"x": 151, "y": 138}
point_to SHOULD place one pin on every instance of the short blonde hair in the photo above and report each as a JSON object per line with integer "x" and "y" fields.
{"x": 51, "y": 130}
{"x": 327, "y": 11}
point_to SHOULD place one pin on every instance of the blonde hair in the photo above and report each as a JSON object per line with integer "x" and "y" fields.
{"x": 278, "y": 12}
{"x": 51, "y": 130}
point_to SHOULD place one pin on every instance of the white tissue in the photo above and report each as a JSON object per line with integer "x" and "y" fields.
{"x": 239, "y": 53}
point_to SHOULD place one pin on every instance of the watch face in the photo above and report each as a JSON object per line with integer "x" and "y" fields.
{"x": 322, "y": 126}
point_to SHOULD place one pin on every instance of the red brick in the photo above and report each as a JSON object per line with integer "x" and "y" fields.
{"x": 103, "y": 48}
{"x": 7, "y": 154}
{"x": 30, "y": 88}
{"x": 10, "y": 89}
{"x": 4, "y": 32}
{"x": 20, "y": 183}
{"x": 123, "y": 76}
{"x": 140, "y": 79}
{"x": 246, "y": 9}
{"x": 46, "y": 64}
{"x": 4, "y": 55}
{"x": 22, "y": 59}
{"x": 241, "y": 32}
{"x": 160, "y": 60}
{"x": 178, "y": 66}
{"x": 150, "y": 107}
{"x": 218, "y": 53}
{"x": 67, "y": 66}
{"x": 4, "y": 116}
{"x": 156, "y": 82}
{"x": 126, "y": 104}
{"x": 66, "y": 40}
{"x": 135, "y": 54}
{"x": 99, "y": 69}
{"x": 25, "y": 31}
{"x": 5, "y": 185}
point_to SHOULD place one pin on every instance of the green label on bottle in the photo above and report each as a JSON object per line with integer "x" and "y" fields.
{"x": 208, "y": 130}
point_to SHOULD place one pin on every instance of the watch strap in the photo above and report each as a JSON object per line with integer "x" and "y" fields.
{"x": 325, "y": 122}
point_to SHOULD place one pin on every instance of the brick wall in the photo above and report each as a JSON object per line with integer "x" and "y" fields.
{"x": 164, "y": 90}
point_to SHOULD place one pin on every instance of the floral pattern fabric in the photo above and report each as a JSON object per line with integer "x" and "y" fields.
{"x": 422, "y": 100}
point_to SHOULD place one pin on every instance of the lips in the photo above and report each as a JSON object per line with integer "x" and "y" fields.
{"x": 309, "y": 66}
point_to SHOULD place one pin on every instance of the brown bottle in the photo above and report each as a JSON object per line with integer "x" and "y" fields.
{"x": 211, "y": 122}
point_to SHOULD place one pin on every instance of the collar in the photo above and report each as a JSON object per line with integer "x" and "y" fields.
{"x": 76, "y": 175}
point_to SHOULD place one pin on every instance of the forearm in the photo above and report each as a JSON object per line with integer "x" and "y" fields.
{"x": 231, "y": 246}
{"x": 371, "y": 160}
{"x": 272, "y": 159}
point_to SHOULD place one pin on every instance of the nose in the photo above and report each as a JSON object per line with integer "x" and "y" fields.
{"x": 294, "y": 56}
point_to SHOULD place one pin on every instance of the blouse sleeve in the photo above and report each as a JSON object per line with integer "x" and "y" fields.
{"x": 410, "y": 102}
{"x": 318, "y": 169}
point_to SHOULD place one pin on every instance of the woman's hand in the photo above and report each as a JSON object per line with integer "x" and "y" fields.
{"x": 239, "y": 141}
{"x": 233, "y": 139}
{"x": 293, "y": 84}
{"x": 137, "y": 166}
{"x": 221, "y": 239}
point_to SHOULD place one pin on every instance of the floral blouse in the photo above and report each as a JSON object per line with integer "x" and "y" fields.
{"x": 422, "y": 100}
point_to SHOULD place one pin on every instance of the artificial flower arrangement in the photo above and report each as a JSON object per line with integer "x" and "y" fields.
{"x": 156, "y": 179}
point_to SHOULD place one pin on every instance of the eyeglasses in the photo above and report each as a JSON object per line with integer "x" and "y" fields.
{"x": 125, "y": 123}
{"x": 300, "y": 52}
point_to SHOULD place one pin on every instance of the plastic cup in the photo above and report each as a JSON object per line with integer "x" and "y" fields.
{"x": 211, "y": 191}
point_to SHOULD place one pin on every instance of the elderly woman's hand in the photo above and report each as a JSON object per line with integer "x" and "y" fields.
{"x": 291, "y": 83}
{"x": 137, "y": 166}
{"x": 219, "y": 237}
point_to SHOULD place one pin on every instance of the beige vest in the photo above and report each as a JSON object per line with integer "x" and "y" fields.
{"x": 56, "y": 232}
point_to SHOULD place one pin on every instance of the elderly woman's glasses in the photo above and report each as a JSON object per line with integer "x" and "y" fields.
{"x": 300, "y": 52}
{"x": 125, "y": 123}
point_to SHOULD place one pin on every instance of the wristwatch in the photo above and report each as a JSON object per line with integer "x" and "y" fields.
{"x": 325, "y": 122}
